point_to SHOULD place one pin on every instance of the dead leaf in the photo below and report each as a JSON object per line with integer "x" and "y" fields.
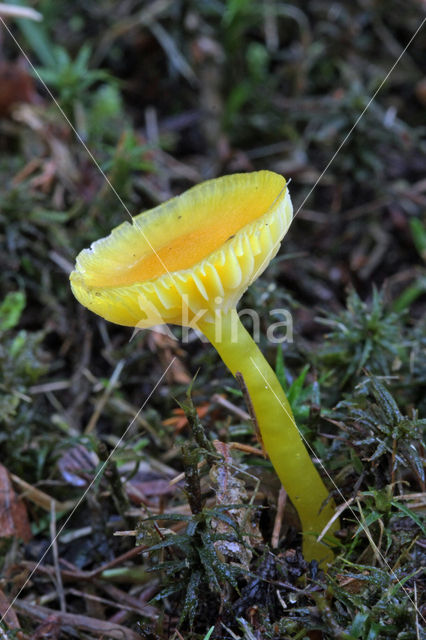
{"x": 351, "y": 585}
{"x": 77, "y": 466}
{"x": 139, "y": 488}
{"x": 58, "y": 163}
{"x": 16, "y": 85}
{"x": 179, "y": 419}
{"x": 13, "y": 512}
{"x": 10, "y": 618}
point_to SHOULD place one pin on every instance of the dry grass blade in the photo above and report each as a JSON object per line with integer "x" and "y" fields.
{"x": 40, "y": 498}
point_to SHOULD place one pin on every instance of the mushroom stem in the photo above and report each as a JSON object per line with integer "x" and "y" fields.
{"x": 281, "y": 437}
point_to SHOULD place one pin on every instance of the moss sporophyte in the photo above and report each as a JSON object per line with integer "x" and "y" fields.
{"x": 189, "y": 261}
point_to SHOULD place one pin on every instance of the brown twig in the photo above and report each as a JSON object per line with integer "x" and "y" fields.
{"x": 77, "y": 621}
{"x": 282, "y": 499}
{"x": 76, "y": 574}
{"x": 226, "y": 404}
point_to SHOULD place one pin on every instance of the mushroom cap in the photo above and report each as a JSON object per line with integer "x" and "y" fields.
{"x": 195, "y": 253}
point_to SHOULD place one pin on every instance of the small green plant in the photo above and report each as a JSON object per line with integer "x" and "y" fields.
{"x": 195, "y": 566}
{"x": 364, "y": 335}
{"x": 359, "y": 157}
{"x": 304, "y": 395}
{"x": 11, "y": 310}
{"x": 215, "y": 549}
{"x": 71, "y": 78}
{"x": 362, "y": 602}
{"x": 380, "y": 433}
{"x": 300, "y": 395}
{"x": 418, "y": 232}
{"x": 196, "y": 556}
{"x": 129, "y": 155}
{"x": 416, "y": 382}
{"x": 20, "y": 367}
{"x": 418, "y": 287}
{"x": 382, "y": 606}
{"x": 106, "y": 114}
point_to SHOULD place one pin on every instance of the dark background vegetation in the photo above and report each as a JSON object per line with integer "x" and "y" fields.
{"x": 163, "y": 95}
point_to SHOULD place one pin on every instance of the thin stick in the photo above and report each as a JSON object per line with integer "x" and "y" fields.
{"x": 77, "y": 621}
{"x": 336, "y": 515}
{"x": 226, "y": 404}
{"x": 53, "y": 537}
{"x": 282, "y": 499}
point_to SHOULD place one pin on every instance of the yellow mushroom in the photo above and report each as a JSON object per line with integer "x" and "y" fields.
{"x": 188, "y": 262}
